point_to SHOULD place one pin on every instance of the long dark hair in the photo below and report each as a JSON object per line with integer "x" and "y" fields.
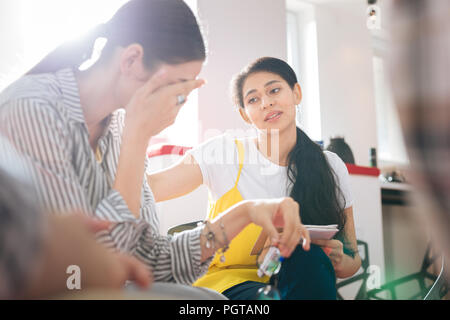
{"x": 314, "y": 184}
{"x": 167, "y": 30}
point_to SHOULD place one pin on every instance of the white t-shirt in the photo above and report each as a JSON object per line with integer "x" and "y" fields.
{"x": 260, "y": 178}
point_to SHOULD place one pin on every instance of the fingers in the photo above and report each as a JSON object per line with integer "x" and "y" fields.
{"x": 95, "y": 225}
{"x": 293, "y": 229}
{"x": 326, "y": 245}
{"x": 306, "y": 242}
{"x": 332, "y": 248}
{"x": 285, "y": 214}
{"x": 327, "y": 250}
{"x": 322, "y": 242}
{"x": 187, "y": 87}
{"x": 156, "y": 81}
{"x": 271, "y": 231}
{"x": 158, "y": 85}
{"x": 183, "y": 88}
{"x": 137, "y": 271}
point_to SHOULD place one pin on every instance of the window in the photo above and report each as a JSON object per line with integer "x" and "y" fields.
{"x": 185, "y": 130}
{"x": 292, "y": 40}
{"x": 39, "y": 26}
{"x": 302, "y": 56}
{"x": 391, "y": 145}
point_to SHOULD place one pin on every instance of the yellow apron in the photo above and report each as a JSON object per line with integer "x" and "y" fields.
{"x": 239, "y": 265}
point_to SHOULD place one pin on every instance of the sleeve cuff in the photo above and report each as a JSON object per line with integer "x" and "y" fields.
{"x": 114, "y": 208}
{"x": 127, "y": 231}
{"x": 186, "y": 253}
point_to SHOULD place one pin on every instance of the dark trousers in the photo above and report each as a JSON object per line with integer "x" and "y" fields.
{"x": 306, "y": 275}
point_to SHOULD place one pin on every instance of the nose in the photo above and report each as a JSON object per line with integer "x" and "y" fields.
{"x": 266, "y": 102}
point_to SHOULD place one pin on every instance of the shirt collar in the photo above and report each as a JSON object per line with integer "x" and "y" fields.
{"x": 71, "y": 95}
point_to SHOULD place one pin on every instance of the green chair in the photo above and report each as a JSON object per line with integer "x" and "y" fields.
{"x": 440, "y": 286}
{"x": 183, "y": 227}
{"x": 363, "y": 249}
{"x": 435, "y": 291}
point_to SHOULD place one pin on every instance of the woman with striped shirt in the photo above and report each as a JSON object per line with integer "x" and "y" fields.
{"x": 35, "y": 249}
{"x": 90, "y": 155}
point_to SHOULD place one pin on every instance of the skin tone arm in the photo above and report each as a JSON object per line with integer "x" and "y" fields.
{"x": 69, "y": 240}
{"x": 138, "y": 131}
{"x": 184, "y": 176}
{"x": 344, "y": 265}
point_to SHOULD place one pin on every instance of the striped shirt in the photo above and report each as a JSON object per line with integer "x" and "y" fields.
{"x": 22, "y": 224}
{"x": 41, "y": 116}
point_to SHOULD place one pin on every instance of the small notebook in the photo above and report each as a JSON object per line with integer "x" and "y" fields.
{"x": 322, "y": 232}
{"x": 316, "y": 232}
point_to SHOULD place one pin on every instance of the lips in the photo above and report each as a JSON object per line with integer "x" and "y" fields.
{"x": 272, "y": 116}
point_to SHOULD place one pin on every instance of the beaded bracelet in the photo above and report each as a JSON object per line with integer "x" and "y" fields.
{"x": 211, "y": 238}
{"x": 226, "y": 247}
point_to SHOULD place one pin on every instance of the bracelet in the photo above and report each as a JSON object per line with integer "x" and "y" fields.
{"x": 211, "y": 239}
{"x": 226, "y": 247}
{"x": 210, "y": 236}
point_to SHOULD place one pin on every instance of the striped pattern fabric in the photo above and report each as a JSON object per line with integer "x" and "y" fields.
{"x": 41, "y": 116}
{"x": 22, "y": 224}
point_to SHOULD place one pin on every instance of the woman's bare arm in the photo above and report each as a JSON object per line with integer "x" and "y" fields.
{"x": 180, "y": 179}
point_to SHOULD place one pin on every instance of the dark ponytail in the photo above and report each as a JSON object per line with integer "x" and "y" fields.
{"x": 167, "y": 30}
{"x": 314, "y": 184}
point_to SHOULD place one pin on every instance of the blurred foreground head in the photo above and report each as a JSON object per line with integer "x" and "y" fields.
{"x": 420, "y": 74}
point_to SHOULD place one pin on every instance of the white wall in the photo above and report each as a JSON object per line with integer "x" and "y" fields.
{"x": 189, "y": 208}
{"x": 10, "y": 40}
{"x": 368, "y": 220}
{"x": 237, "y": 32}
{"x": 347, "y": 98}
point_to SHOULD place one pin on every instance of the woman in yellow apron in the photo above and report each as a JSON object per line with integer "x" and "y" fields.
{"x": 280, "y": 161}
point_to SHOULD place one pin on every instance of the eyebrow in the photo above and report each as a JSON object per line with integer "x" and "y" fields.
{"x": 266, "y": 85}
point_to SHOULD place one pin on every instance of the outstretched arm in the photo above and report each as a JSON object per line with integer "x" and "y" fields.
{"x": 180, "y": 179}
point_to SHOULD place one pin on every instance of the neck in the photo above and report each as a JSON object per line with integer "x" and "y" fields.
{"x": 276, "y": 145}
{"x": 96, "y": 87}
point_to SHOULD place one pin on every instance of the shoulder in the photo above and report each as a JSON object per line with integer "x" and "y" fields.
{"x": 34, "y": 94}
{"x": 215, "y": 157}
{"x": 218, "y": 145}
{"x": 336, "y": 163}
{"x": 222, "y": 140}
{"x": 37, "y": 87}
{"x": 343, "y": 178}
